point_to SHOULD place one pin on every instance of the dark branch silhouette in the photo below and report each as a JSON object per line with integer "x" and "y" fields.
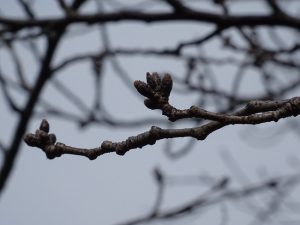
{"x": 263, "y": 44}
{"x": 157, "y": 90}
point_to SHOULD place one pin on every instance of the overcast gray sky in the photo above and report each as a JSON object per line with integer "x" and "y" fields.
{"x": 111, "y": 189}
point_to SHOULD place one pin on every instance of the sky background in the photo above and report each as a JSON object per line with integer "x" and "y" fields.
{"x": 112, "y": 189}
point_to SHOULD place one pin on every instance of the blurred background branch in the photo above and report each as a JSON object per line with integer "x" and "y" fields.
{"x": 222, "y": 54}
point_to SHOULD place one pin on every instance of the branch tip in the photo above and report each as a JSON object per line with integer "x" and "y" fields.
{"x": 44, "y": 126}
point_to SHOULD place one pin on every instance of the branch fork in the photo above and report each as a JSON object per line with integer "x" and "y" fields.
{"x": 157, "y": 91}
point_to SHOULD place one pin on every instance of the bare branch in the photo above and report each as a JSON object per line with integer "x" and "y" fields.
{"x": 177, "y": 5}
{"x": 244, "y": 49}
{"x": 63, "y": 5}
{"x": 42, "y": 77}
{"x": 216, "y": 195}
{"x": 274, "y": 6}
{"x": 13, "y": 25}
{"x": 157, "y": 91}
{"x": 27, "y": 8}
{"x": 3, "y": 149}
{"x": 12, "y": 104}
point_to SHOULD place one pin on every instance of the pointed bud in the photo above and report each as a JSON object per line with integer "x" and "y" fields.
{"x": 31, "y": 140}
{"x": 166, "y": 85}
{"x": 150, "y": 81}
{"x": 143, "y": 89}
{"x": 44, "y": 126}
{"x": 154, "y": 81}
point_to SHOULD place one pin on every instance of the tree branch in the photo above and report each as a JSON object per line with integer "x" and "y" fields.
{"x": 177, "y": 5}
{"x": 157, "y": 91}
{"x": 274, "y": 6}
{"x": 42, "y": 77}
{"x": 13, "y": 25}
{"x": 216, "y": 195}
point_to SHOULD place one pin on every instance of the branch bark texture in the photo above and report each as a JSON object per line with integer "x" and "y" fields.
{"x": 157, "y": 91}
